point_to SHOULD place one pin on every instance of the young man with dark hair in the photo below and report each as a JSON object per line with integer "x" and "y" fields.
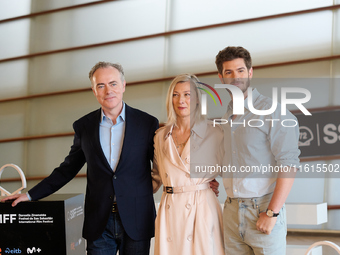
{"x": 254, "y": 213}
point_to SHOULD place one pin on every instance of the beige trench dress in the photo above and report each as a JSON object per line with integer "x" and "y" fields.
{"x": 188, "y": 223}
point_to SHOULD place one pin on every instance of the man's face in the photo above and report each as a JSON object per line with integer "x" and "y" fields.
{"x": 108, "y": 88}
{"x": 236, "y": 73}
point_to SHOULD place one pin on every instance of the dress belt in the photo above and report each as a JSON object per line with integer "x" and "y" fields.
{"x": 174, "y": 190}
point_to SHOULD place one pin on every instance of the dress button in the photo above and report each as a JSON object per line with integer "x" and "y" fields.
{"x": 187, "y": 160}
{"x": 114, "y": 177}
{"x": 169, "y": 239}
{"x": 188, "y": 206}
{"x": 187, "y": 175}
{"x": 189, "y": 238}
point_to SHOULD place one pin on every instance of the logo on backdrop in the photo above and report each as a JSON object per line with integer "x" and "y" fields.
{"x": 12, "y": 251}
{"x": 4, "y": 192}
{"x": 75, "y": 244}
{"x": 306, "y": 136}
{"x": 33, "y": 250}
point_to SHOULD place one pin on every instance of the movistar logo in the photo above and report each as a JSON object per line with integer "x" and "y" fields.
{"x": 33, "y": 250}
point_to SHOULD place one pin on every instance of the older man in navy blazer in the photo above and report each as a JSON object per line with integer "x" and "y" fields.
{"x": 116, "y": 142}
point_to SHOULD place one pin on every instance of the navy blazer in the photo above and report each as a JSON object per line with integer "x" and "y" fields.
{"x": 131, "y": 182}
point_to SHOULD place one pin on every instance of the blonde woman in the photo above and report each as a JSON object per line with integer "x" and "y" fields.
{"x": 189, "y": 219}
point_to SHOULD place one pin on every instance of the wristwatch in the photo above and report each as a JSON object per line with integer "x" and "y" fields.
{"x": 271, "y": 214}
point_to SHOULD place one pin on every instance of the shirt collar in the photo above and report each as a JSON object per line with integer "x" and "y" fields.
{"x": 255, "y": 95}
{"x": 168, "y": 131}
{"x": 198, "y": 128}
{"x": 121, "y": 116}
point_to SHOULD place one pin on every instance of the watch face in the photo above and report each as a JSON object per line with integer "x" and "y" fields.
{"x": 270, "y": 213}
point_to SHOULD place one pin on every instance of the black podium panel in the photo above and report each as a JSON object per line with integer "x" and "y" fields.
{"x": 50, "y": 226}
